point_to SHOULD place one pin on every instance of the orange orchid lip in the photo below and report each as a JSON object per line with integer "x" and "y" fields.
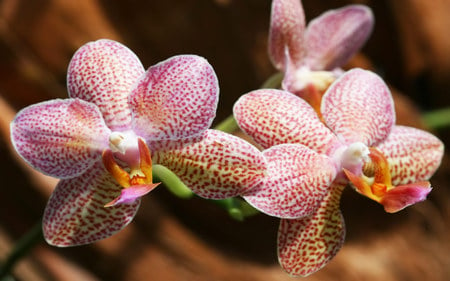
{"x": 379, "y": 187}
{"x": 120, "y": 175}
{"x": 139, "y": 178}
{"x": 379, "y": 182}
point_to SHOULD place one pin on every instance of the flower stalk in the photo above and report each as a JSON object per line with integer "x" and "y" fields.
{"x": 21, "y": 248}
{"x": 228, "y": 125}
{"x": 171, "y": 182}
{"x": 437, "y": 119}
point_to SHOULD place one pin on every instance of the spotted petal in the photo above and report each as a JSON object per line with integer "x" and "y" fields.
{"x": 61, "y": 138}
{"x": 307, "y": 244}
{"x": 75, "y": 214}
{"x": 215, "y": 166}
{"x": 286, "y": 35}
{"x": 177, "y": 98}
{"x": 274, "y": 117}
{"x": 358, "y": 107}
{"x": 413, "y": 155}
{"x": 104, "y": 72}
{"x": 337, "y": 35}
{"x": 298, "y": 178}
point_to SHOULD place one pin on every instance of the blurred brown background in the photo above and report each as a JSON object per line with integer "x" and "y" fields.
{"x": 173, "y": 239}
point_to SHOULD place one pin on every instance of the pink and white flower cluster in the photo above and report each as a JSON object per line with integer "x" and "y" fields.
{"x": 324, "y": 130}
{"x": 310, "y": 161}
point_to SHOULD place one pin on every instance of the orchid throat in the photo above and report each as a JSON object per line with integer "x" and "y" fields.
{"x": 134, "y": 173}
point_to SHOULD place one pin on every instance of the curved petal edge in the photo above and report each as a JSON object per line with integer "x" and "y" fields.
{"x": 307, "y": 244}
{"x": 274, "y": 117}
{"x": 297, "y": 181}
{"x": 413, "y": 154}
{"x": 75, "y": 213}
{"x": 104, "y": 72}
{"x": 359, "y": 107}
{"x": 176, "y": 99}
{"x": 216, "y": 165}
{"x": 336, "y": 35}
{"x": 61, "y": 138}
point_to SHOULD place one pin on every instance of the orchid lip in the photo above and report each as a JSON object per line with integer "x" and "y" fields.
{"x": 129, "y": 195}
{"x": 373, "y": 179}
{"x": 375, "y": 183}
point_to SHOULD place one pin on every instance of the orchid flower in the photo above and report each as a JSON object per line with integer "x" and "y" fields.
{"x": 118, "y": 120}
{"x": 357, "y": 143}
{"x": 311, "y": 57}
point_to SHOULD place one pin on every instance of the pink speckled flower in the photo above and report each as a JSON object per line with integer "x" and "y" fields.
{"x": 310, "y": 56}
{"x": 101, "y": 140}
{"x": 356, "y": 143}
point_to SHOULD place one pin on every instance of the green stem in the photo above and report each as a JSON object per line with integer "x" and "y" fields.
{"x": 437, "y": 119}
{"x": 237, "y": 208}
{"x": 21, "y": 248}
{"x": 171, "y": 181}
{"x": 273, "y": 82}
{"x": 229, "y": 125}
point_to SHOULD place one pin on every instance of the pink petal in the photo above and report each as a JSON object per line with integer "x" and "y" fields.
{"x": 61, "y": 138}
{"x": 307, "y": 244}
{"x": 274, "y": 117}
{"x": 176, "y": 99}
{"x": 358, "y": 107}
{"x": 130, "y": 194}
{"x": 413, "y": 155}
{"x": 286, "y": 35}
{"x": 104, "y": 72}
{"x": 297, "y": 181}
{"x": 75, "y": 214}
{"x": 403, "y": 196}
{"x": 334, "y": 37}
{"x": 215, "y": 166}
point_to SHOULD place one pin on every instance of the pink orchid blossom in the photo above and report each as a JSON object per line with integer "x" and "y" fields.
{"x": 356, "y": 142}
{"x": 118, "y": 119}
{"x": 310, "y": 57}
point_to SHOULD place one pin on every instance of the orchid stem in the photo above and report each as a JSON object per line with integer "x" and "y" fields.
{"x": 273, "y": 82}
{"x": 21, "y": 248}
{"x": 171, "y": 181}
{"x": 237, "y": 208}
{"x": 229, "y": 125}
{"x": 437, "y": 119}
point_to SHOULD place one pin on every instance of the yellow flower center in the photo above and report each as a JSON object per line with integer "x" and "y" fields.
{"x": 375, "y": 179}
{"x": 140, "y": 165}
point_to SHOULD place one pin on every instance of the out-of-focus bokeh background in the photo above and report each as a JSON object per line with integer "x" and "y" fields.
{"x": 175, "y": 239}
